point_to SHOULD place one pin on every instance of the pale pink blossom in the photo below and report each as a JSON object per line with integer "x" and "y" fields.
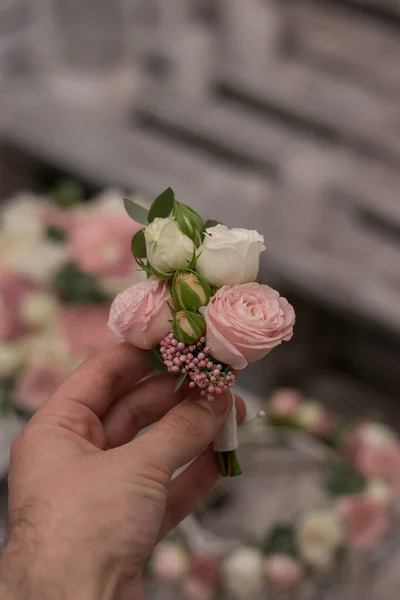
{"x": 196, "y": 589}
{"x": 283, "y": 571}
{"x": 205, "y": 567}
{"x": 245, "y": 322}
{"x": 13, "y": 290}
{"x": 141, "y": 314}
{"x": 51, "y": 214}
{"x": 100, "y": 244}
{"x": 84, "y": 329}
{"x": 366, "y": 521}
{"x": 36, "y": 385}
{"x": 284, "y": 402}
{"x": 169, "y": 562}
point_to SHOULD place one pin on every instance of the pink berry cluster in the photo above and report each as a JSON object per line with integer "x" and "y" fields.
{"x": 195, "y": 362}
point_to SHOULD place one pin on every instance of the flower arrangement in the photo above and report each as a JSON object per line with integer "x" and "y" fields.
{"x": 200, "y": 314}
{"x": 363, "y": 483}
{"x": 63, "y": 257}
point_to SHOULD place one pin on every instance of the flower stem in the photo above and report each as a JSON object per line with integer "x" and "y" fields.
{"x": 229, "y": 464}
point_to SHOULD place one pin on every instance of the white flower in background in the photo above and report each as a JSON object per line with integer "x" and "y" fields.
{"x": 168, "y": 249}
{"x": 319, "y": 536}
{"x": 22, "y": 217}
{"x": 114, "y": 285}
{"x": 379, "y": 490}
{"x": 229, "y": 256}
{"x": 39, "y": 308}
{"x": 46, "y": 348}
{"x": 11, "y": 358}
{"x": 376, "y": 435}
{"x": 169, "y": 561}
{"x": 308, "y": 414}
{"x": 243, "y": 572}
{"x": 40, "y": 261}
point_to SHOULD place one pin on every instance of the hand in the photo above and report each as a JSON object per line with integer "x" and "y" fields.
{"x": 87, "y": 504}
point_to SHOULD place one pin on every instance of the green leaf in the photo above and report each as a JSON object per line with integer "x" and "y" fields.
{"x": 55, "y": 233}
{"x": 179, "y": 380}
{"x": 77, "y": 287}
{"x": 162, "y": 205}
{"x": 68, "y": 193}
{"x": 154, "y": 360}
{"x": 282, "y": 540}
{"x": 161, "y": 275}
{"x": 138, "y": 245}
{"x": 211, "y": 223}
{"x": 136, "y": 212}
{"x": 344, "y": 480}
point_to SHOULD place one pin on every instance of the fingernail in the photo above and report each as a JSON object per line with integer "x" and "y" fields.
{"x": 218, "y": 406}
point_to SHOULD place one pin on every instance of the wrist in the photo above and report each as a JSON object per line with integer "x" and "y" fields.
{"x": 55, "y": 573}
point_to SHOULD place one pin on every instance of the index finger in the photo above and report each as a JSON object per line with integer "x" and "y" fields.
{"x": 101, "y": 379}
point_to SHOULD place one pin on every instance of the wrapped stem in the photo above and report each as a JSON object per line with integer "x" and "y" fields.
{"x": 225, "y": 445}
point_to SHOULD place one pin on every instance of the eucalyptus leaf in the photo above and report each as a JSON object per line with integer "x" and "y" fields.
{"x": 282, "y": 540}
{"x": 162, "y": 205}
{"x": 179, "y": 380}
{"x": 136, "y": 212}
{"x": 138, "y": 245}
{"x": 344, "y": 480}
{"x": 153, "y": 359}
{"x": 211, "y": 223}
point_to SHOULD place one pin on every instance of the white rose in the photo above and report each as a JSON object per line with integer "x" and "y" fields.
{"x": 168, "y": 249}
{"x": 319, "y": 536}
{"x": 229, "y": 256}
{"x": 39, "y": 308}
{"x": 40, "y": 261}
{"x": 308, "y": 414}
{"x": 243, "y": 572}
{"x": 378, "y": 490}
{"x": 377, "y": 435}
{"x": 22, "y": 217}
{"x": 169, "y": 562}
{"x": 10, "y": 358}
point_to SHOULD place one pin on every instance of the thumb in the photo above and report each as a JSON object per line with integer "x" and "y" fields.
{"x": 184, "y": 432}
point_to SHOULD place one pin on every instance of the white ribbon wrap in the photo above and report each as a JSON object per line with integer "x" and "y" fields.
{"x": 227, "y": 439}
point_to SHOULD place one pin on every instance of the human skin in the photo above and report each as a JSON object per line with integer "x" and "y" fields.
{"x": 88, "y": 499}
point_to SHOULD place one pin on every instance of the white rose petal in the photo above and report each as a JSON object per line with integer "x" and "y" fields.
{"x": 39, "y": 308}
{"x": 168, "y": 249}
{"x": 10, "y": 358}
{"x": 243, "y": 572}
{"x": 229, "y": 256}
{"x": 319, "y": 536}
{"x": 22, "y": 217}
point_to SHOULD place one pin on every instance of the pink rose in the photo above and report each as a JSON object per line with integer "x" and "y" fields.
{"x": 283, "y": 572}
{"x": 205, "y": 568}
{"x": 13, "y": 289}
{"x": 101, "y": 245}
{"x": 380, "y": 462}
{"x": 284, "y": 402}
{"x": 84, "y": 329}
{"x": 366, "y": 521}
{"x": 141, "y": 315}
{"x": 36, "y": 385}
{"x": 245, "y": 322}
{"x": 195, "y": 589}
{"x": 58, "y": 216}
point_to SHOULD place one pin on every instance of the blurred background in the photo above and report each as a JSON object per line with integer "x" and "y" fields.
{"x": 282, "y": 115}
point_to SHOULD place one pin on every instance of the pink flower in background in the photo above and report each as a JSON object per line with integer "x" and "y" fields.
{"x": 284, "y": 402}
{"x": 141, "y": 315}
{"x": 195, "y": 589}
{"x": 245, "y": 322}
{"x": 206, "y": 568}
{"x": 36, "y": 385}
{"x": 13, "y": 289}
{"x": 55, "y": 215}
{"x": 100, "y": 244}
{"x": 366, "y": 521}
{"x": 283, "y": 572}
{"x": 84, "y": 329}
{"x": 380, "y": 462}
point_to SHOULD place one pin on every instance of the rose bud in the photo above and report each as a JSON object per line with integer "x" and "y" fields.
{"x": 189, "y": 222}
{"x": 190, "y": 291}
{"x": 188, "y": 326}
{"x": 167, "y": 248}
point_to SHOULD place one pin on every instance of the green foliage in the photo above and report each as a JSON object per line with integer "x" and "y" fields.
{"x": 77, "y": 287}
{"x": 162, "y": 205}
{"x": 136, "y": 212}
{"x": 56, "y": 233}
